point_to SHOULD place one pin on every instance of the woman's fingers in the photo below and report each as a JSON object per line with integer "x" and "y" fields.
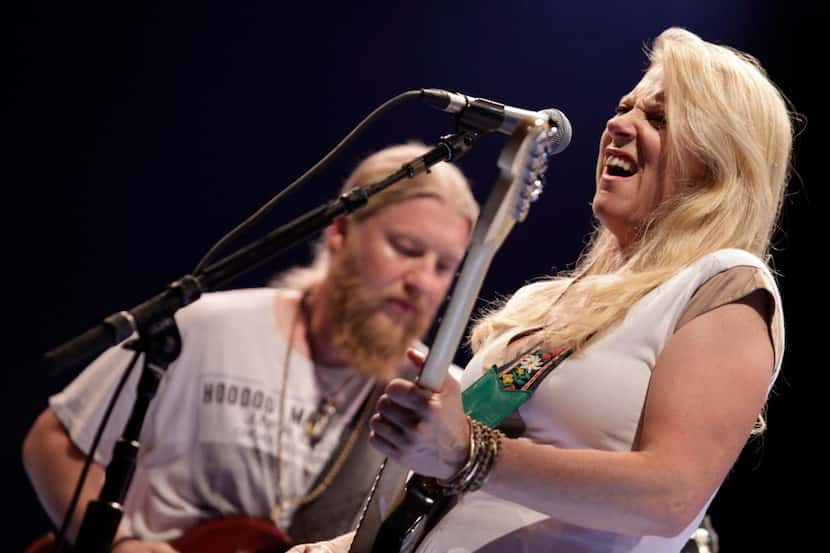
{"x": 422, "y": 429}
{"x": 402, "y": 417}
{"x": 416, "y": 357}
{"x": 383, "y": 445}
{"x": 409, "y": 395}
{"x": 390, "y": 432}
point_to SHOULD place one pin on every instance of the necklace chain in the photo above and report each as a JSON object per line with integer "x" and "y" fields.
{"x": 327, "y": 408}
{"x": 334, "y": 469}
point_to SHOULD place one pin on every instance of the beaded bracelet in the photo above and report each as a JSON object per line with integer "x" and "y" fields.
{"x": 485, "y": 446}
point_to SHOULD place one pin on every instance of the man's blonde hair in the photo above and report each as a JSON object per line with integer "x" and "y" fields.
{"x": 443, "y": 181}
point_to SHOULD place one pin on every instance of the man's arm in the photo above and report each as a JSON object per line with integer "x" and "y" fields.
{"x": 54, "y": 464}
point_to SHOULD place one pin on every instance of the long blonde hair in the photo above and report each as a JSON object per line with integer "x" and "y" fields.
{"x": 722, "y": 112}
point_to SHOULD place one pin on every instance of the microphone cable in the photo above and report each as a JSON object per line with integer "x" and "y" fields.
{"x": 206, "y": 259}
{"x": 270, "y": 204}
{"x": 79, "y": 486}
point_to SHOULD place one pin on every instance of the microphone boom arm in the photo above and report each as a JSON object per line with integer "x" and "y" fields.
{"x": 119, "y": 326}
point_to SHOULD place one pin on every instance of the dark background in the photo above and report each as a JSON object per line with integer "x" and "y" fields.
{"x": 134, "y": 136}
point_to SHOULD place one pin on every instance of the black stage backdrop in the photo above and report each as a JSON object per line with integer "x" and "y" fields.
{"x": 136, "y": 134}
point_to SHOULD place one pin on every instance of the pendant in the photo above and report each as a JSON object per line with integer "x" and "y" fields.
{"x": 319, "y": 420}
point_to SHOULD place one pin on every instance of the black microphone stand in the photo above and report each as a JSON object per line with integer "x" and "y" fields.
{"x": 161, "y": 344}
{"x": 160, "y": 341}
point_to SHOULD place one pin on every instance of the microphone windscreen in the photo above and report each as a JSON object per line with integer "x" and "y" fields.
{"x": 563, "y": 137}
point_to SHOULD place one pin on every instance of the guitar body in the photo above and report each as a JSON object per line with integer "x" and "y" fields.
{"x": 422, "y": 507}
{"x": 231, "y": 534}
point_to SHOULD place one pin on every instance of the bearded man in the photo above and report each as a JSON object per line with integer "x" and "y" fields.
{"x": 264, "y": 412}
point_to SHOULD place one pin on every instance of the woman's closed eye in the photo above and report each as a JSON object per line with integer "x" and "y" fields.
{"x": 657, "y": 118}
{"x": 622, "y": 109}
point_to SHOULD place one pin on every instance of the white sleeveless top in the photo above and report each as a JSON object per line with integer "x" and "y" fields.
{"x": 592, "y": 401}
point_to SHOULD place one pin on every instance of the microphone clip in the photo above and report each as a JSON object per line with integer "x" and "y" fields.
{"x": 481, "y": 115}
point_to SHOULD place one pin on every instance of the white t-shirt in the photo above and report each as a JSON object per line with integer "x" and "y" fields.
{"x": 208, "y": 444}
{"x": 591, "y": 401}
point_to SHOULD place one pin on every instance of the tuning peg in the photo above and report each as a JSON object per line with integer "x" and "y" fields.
{"x": 536, "y": 189}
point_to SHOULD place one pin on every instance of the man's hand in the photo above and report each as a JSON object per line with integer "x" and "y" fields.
{"x": 340, "y": 544}
{"x": 140, "y": 546}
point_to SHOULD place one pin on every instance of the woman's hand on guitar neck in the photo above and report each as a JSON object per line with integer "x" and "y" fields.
{"x": 424, "y": 430}
{"x": 135, "y": 545}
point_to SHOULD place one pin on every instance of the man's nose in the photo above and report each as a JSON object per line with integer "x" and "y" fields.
{"x": 422, "y": 276}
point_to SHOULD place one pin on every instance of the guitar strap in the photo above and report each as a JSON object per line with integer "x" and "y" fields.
{"x": 501, "y": 390}
{"x": 336, "y": 511}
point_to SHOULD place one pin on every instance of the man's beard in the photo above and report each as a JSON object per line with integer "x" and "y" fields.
{"x": 365, "y": 337}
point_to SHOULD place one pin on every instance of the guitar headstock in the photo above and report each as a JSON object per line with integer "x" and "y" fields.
{"x": 535, "y": 151}
{"x": 523, "y": 163}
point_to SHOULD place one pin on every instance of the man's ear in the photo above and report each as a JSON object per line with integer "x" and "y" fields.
{"x": 335, "y": 235}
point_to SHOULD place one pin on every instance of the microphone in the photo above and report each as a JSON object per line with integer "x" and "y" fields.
{"x": 486, "y": 115}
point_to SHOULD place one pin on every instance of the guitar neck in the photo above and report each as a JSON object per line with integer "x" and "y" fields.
{"x": 454, "y": 321}
{"x": 493, "y": 226}
{"x": 522, "y": 162}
